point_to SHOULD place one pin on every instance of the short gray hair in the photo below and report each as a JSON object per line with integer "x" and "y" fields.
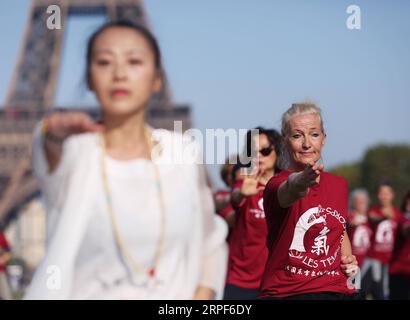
{"x": 358, "y": 192}
{"x": 305, "y": 107}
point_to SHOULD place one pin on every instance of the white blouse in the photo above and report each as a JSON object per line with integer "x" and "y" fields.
{"x": 80, "y": 234}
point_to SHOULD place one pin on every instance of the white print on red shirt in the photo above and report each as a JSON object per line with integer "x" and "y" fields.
{"x": 305, "y": 222}
{"x": 384, "y": 237}
{"x": 310, "y": 273}
{"x": 320, "y": 243}
{"x": 361, "y": 239}
{"x": 259, "y": 213}
{"x": 320, "y": 248}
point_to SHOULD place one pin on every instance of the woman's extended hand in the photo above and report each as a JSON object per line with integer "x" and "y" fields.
{"x": 308, "y": 177}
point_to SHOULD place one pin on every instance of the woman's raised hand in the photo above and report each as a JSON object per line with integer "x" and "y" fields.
{"x": 250, "y": 184}
{"x": 61, "y": 125}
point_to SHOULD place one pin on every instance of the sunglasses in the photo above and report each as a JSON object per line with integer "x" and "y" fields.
{"x": 266, "y": 151}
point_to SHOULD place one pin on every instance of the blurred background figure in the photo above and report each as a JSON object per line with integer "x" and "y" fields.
{"x": 384, "y": 219}
{"x": 5, "y": 256}
{"x": 400, "y": 264}
{"x": 358, "y": 225}
{"x": 222, "y": 197}
{"x": 247, "y": 246}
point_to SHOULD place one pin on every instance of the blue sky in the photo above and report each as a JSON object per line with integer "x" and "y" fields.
{"x": 241, "y": 63}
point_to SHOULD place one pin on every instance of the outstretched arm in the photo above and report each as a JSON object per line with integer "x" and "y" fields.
{"x": 298, "y": 184}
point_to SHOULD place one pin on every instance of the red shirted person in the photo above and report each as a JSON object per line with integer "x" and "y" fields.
{"x": 359, "y": 230}
{"x": 224, "y": 196}
{"x": 400, "y": 263}
{"x": 306, "y": 210}
{"x": 4, "y": 251}
{"x": 384, "y": 221}
{"x": 360, "y": 234}
{"x": 225, "y": 209}
{"x": 305, "y": 239}
{"x": 247, "y": 249}
{"x": 384, "y": 234}
{"x": 229, "y": 174}
{"x": 247, "y": 244}
{"x": 5, "y": 256}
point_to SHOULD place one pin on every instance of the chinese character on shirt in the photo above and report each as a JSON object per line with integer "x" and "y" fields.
{"x": 320, "y": 246}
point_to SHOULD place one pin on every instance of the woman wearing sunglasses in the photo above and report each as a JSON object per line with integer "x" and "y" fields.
{"x": 248, "y": 251}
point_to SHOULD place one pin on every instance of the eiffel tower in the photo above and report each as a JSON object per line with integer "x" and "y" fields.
{"x": 33, "y": 87}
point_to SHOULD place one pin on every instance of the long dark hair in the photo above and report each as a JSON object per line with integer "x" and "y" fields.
{"x": 274, "y": 138}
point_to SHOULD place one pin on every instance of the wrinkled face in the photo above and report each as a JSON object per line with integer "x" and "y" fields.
{"x": 305, "y": 140}
{"x": 360, "y": 203}
{"x": 123, "y": 74}
{"x": 266, "y": 154}
{"x": 385, "y": 195}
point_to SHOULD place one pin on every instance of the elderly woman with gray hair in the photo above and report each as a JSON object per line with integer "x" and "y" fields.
{"x": 306, "y": 208}
{"x": 359, "y": 229}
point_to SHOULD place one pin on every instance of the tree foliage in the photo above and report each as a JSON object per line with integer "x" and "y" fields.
{"x": 389, "y": 163}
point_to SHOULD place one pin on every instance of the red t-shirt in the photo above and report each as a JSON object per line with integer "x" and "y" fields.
{"x": 4, "y": 247}
{"x": 360, "y": 236}
{"x": 247, "y": 245}
{"x": 400, "y": 263}
{"x": 305, "y": 239}
{"x": 384, "y": 235}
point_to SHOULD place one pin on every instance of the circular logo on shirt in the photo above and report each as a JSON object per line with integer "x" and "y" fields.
{"x": 361, "y": 238}
{"x": 305, "y": 222}
{"x": 316, "y": 242}
{"x": 384, "y": 232}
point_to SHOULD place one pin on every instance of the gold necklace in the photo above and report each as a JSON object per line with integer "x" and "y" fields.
{"x": 151, "y": 271}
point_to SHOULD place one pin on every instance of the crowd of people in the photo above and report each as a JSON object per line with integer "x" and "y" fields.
{"x": 125, "y": 222}
{"x": 379, "y": 234}
{"x": 381, "y": 242}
